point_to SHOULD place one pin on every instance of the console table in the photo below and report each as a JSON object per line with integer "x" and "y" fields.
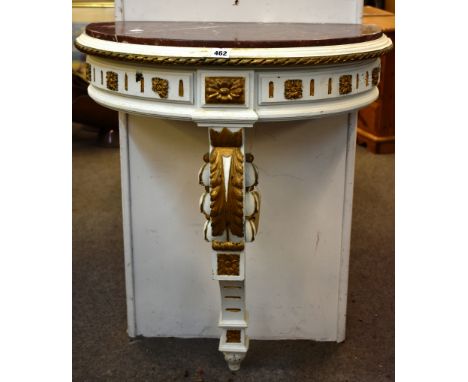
{"x": 225, "y": 77}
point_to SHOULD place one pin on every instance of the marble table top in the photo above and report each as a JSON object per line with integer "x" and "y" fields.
{"x": 232, "y": 35}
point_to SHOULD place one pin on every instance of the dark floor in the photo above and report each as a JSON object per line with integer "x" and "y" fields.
{"x": 103, "y": 352}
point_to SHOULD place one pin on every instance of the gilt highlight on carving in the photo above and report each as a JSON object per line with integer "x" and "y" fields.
{"x": 112, "y": 81}
{"x": 225, "y": 138}
{"x": 227, "y": 208}
{"x": 293, "y": 89}
{"x": 227, "y": 212}
{"x": 160, "y": 86}
{"x": 225, "y": 90}
{"x": 228, "y": 264}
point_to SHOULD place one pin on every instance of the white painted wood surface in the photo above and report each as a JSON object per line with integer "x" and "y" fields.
{"x": 325, "y": 100}
{"x": 127, "y": 222}
{"x": 316, "y": 11}
{"x": 346, "y": 226}
{"x": 293, "y": 267}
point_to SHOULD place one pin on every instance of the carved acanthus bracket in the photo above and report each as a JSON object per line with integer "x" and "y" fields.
{"x": 231, "y": 205}
{"x": 226, "y": 194}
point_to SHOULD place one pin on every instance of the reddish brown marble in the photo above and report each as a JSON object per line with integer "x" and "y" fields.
{"x": 232, "y": 35}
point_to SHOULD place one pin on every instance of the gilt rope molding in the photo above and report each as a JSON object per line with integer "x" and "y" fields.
{"x": 171, "y": 70}
{"x": 238, "y": 61}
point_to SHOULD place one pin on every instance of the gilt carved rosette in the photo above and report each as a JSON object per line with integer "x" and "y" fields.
{"x": 231, "y": 206}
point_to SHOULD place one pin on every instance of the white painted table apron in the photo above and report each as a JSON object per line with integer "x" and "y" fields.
{"x": 226, "y": 96}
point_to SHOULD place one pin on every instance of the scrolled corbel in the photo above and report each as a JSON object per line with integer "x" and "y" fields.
{"x": 231, "y": 205}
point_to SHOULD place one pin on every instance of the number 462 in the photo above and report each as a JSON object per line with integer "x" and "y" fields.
{"x": 220, "y": 52}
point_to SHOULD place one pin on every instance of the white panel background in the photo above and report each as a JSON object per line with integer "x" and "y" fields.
{"x": 292, "y": 267}
{"x": 307, "y": 11}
